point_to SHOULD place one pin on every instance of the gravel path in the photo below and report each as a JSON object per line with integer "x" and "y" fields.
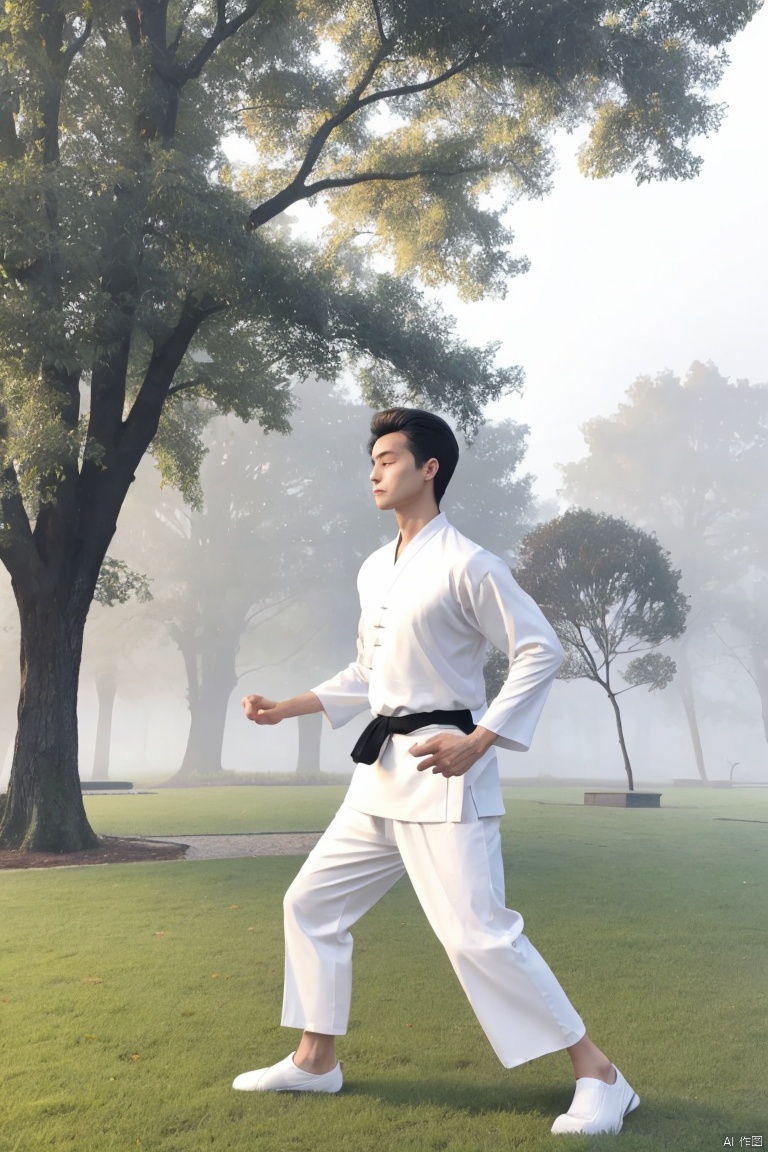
{"x": 244, "y": 844}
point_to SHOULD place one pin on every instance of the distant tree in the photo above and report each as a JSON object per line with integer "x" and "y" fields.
{"x": 609, "y": 591}
{"x": 117, "y": 585}
{"x": 490, "y": 498}
{"x": 745, "y": 608}
{"x": 138, "y": 261}
{"x": 687, "y": 459}
{"x": 258, "y": 551}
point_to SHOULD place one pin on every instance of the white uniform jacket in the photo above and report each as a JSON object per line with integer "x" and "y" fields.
{"x": 425, "y": 625}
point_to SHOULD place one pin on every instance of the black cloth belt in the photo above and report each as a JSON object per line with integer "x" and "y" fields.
{"x": 372, "y": 738}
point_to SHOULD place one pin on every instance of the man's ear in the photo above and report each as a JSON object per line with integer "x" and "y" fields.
{"x": 430, "y": 468}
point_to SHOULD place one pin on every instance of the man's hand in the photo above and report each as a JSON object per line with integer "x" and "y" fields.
{"x": 261, "y": 710}
{"x": 264, "y": 711}
{"x": 449, "y": 754}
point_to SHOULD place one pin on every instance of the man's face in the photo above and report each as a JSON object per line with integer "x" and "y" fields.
{"x": 396, "y": 481}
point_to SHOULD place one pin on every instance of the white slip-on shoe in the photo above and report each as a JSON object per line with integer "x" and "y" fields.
{"x": 597, "y": 1106}
{"x": 286, "y": 1077}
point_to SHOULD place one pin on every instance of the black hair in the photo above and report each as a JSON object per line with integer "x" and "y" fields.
{"x": 428, "y": 437}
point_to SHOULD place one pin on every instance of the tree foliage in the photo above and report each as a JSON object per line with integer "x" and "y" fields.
{"x": 609, "y": 591}
{"x": 687, "y": 459}
{"x": 146, "y": 280}
{"x": 117, "y": 583}
{"x": 130, "y": 241}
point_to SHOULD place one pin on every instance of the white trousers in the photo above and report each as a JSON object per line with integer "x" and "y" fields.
{"x": 457, "y": 874}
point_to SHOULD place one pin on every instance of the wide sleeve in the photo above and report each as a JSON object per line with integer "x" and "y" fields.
{"x": 510, "y": 620}
{"x": 346, "y": 694}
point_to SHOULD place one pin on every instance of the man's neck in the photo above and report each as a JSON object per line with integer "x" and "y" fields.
{"x": 411, "y": 522}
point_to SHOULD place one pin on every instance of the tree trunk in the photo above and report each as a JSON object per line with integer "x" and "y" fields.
{"x": 202, "y": 757}
{"x": 760, "y": 677}
{"x": 44, "y": 810}
{"x": 310, "y": 733}
{"x": 689, "y": 704}
{"x": 622, "y": 744}
{"x": 106, "y": 690}
{"x": 208, "y": 703}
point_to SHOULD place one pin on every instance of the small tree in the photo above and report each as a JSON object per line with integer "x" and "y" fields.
{"x": 608, "y": 590}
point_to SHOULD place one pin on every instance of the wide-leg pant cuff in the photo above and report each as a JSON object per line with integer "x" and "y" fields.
{"x": 322, "y": 1029}
{"x": 545, "y": 1050}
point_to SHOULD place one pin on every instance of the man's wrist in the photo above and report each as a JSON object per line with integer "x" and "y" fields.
{"x": 483, "y": 738}
{"x": 303, "y": 705}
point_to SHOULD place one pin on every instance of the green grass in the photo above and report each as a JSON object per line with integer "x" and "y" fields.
{"x": 131, "y": 995}
{"x": 174, "y": 811}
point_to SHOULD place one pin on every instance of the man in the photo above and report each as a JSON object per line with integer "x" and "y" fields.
{"x": 425, "y": 796}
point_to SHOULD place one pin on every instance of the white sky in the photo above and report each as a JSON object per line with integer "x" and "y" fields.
{"x": 627, "y": 280}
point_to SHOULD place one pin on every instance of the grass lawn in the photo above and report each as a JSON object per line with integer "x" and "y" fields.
{"x": 130, "y": 995}
{"x": 175, "y": 811}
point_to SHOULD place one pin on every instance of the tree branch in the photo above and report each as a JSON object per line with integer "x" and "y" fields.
{"x": 174, "y": 44}
{"x": 76, "y": 46}
{"x": 181, "y": 640}
{"x": 186, "y": 385}
{"x": 293, "y": 193}
{"x": 223, "y": 30}
{"x": 10, "y": 148}
{"x": 144, "y": 417}
{"x": 298, "y": 190}
{"x": 584, "y": 646}
{"x": 366, "y": 177}
{"x": 283, "y": 107}
{"x": 424, "y": 86}
{"x": 281, "y": 604}
{"x": 379, "y": 22}
{"x": 133, "y": 26}
{"x": 351, "y": 105}
{"x": 736, "y": 656}
{"x": 275, "y": 663}
{"x": 17, "y": 551}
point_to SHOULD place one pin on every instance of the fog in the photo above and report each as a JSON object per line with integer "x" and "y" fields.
{"x": 255, "y": 592}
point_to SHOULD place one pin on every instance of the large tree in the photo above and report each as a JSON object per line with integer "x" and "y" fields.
{"x": 687, "y": 459}
{"x": 609, "y": 591}
{"x": 136, "y": 259}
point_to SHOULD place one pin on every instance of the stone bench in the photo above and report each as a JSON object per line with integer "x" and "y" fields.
{"x": 624, "y": 799}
